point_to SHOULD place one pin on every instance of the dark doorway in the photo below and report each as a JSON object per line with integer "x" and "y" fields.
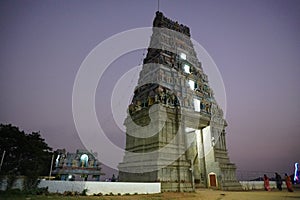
{"x": 212, "y": 180}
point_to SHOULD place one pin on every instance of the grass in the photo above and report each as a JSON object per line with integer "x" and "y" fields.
{"x": 4, "y": 196}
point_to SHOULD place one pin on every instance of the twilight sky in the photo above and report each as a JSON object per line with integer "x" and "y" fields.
{"x": 255, "y": 44}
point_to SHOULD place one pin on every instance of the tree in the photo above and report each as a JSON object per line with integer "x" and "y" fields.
{"x": 26, "y": 154}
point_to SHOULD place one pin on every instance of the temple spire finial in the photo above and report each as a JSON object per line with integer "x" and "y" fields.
{"x": 157, "y": 5}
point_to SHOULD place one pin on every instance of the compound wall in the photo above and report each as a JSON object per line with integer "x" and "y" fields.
{"x": 101, "y": 187}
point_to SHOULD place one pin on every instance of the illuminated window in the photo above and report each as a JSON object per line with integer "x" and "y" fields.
{"x": 192, "y": 84}
{"x": 197, "y": 105}
{"x": 183, "y": 56}
{"x": 84, "y": 159}
{"x": 186, "y": 68}
{"x": 196, "y": 85}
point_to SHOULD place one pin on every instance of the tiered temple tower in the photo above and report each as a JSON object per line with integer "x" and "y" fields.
{"x": 175, "y": 130}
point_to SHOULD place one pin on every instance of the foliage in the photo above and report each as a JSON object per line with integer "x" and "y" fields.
{"x": 26, "y": 154}
{"x": 38, "y": 191}
{"x": 99, "y": 194}
{"x": 75, "y": 193}
{"x": 71, "y": 193}
{"x": 83, "y": 193}
{"x": 18, "y": 192}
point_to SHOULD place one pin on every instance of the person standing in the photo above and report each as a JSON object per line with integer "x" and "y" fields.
{"x": 266, "y": 183}
{"x": 288, "y": 183}
{"x": 113, "y": 179}
{"x": 278, "y": 181}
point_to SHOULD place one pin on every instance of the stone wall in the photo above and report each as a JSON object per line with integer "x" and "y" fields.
{"x": 101, "y": 187}
{"x": 18, "y": 183}
{"x": 92, "y": 187}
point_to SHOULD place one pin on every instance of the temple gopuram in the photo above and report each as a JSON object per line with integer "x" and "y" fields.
{"x": 175, "y": 129}
{"x": 81, "y": 165}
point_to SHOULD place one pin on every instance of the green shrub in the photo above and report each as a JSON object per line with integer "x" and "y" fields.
{"x": 83, "y": 193}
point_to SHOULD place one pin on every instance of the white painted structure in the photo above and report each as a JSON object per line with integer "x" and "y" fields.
{"x": 258, "y": 185}
{"x": 101, "y": 187}
{"x": 118, "y": 187}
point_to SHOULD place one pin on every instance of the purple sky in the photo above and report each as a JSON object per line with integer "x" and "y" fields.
{"x": 255, "y": 44}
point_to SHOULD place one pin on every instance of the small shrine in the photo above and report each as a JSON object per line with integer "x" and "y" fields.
{"x": 82, "y": 165}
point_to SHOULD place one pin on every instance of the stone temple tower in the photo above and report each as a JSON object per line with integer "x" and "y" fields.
{"x": 175, "y": 130}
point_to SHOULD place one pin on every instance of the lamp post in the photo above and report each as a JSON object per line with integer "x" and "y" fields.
{"x": 192, "y": 174}
{"x": 2, "y": 159}
{"x": 51, "y": 166}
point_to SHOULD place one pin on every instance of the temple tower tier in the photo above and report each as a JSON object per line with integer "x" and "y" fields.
{"x": 175, "y": 130}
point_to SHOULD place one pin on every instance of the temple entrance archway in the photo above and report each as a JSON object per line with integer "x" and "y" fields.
{"x": 212, "y": 180}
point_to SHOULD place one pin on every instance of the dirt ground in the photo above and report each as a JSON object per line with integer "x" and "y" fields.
{"x": 203, "y": 194}
{"x": 206, "y": 194}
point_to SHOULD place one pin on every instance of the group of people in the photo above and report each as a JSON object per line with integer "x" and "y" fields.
{"x": 278, "y": 180}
